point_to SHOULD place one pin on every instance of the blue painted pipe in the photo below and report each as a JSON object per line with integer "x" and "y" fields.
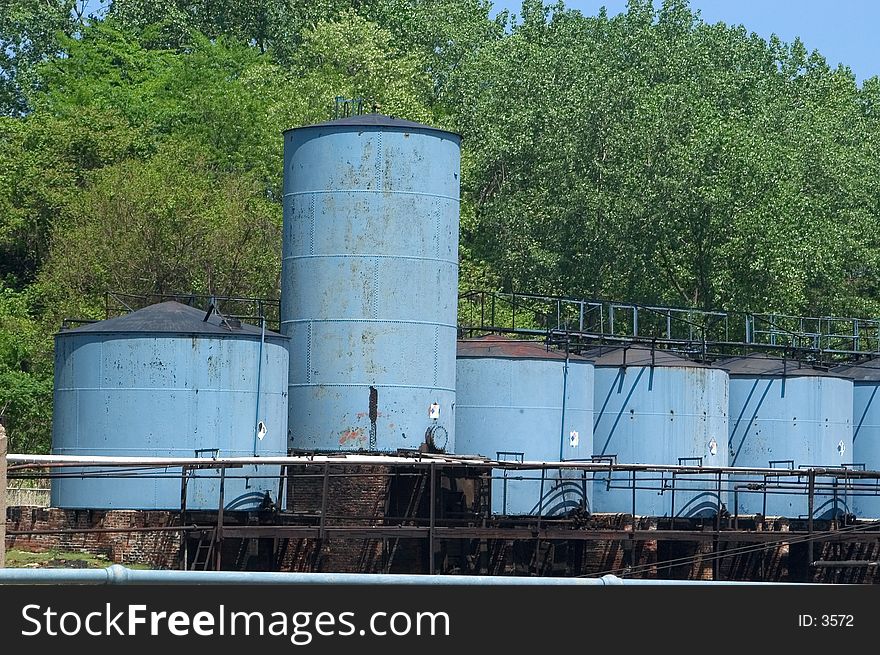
{"x": 120, "y": 575}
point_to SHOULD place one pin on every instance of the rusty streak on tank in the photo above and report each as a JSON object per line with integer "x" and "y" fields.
{"x": 374, "y": 415}
{"x": 497, "y": 346}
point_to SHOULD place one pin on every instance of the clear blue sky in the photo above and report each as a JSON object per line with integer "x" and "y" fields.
{"x": 845, "y": 31}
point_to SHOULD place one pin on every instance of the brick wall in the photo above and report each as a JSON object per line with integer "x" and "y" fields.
{"x": 355, "y": 494}
{"x": 363, "y": 499}
{"x": 353, "y": 491}
{"x": 154, "y": 549}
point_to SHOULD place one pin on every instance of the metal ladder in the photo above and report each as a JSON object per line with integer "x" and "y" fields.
{"x": 411, "y": 512}
{"x": 204, "y": 551}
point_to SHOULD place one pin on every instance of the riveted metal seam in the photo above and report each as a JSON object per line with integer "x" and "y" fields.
{"x": 380, "y": 179}
{"x": 372, "y": 384}
{"x": 162, "y": 388}
{"x": 518, "y": 407}
{"x": 309, "y": 353}
{"x": 436, "y": 353}
{"x": 312, "y": 226}
{"x": 375, "y": 300}
{"x": 369, "y": 256}
{"x": 367, "y": 320}
{"x": 383, "y": 192}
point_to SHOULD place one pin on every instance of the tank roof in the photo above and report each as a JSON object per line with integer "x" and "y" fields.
{"x": 375, "y": 120}
{"x": 493, "y": 345}
{"x": 865, "y": 370}
{"x": 173, "y": 318}
{"x": 638, "y": 355}
{"x": 760, "y": 365}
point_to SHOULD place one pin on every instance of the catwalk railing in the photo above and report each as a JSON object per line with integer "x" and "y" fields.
{"x": 581, "y": 322}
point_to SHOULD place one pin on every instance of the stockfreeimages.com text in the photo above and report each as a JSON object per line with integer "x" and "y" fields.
{"x": 299, "y": 627}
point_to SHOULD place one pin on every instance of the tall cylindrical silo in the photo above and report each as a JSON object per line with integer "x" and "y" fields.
{"x": 519, "y": 401}
{"x": 370, "y": 284}
{"x": 786, "y": 414}
{"x": 167, "y": 381}
{"x": 654, "y": 407}
{"x": 865, "y": 375}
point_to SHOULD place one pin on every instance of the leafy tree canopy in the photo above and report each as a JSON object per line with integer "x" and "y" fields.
{"x": 648, "y": 156}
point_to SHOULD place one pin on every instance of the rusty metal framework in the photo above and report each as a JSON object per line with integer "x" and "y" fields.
{"x": 425, "y": 519}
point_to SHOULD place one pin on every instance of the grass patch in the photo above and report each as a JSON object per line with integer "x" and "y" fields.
{"x": 59, "y": 559}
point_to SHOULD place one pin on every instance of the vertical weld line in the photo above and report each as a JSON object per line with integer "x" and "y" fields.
{"x": 76, "y": 397}
{"x": 380, "y": 182}
{"x": 380, "y": 185}
{"x": 436, "y": 353}
{"x": 309, "y": 353}
{"x": 374, "y": 310}
{"x": 101, "y": 356}
{"x": 312, "y": 224}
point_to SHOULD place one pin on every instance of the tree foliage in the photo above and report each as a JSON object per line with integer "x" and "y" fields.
{"x": 648, "y": 156}
{"x": 25, "y": 373}
{"x": 657, "y": 158}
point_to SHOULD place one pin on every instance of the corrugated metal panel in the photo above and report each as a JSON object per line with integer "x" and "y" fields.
{"x": 798, "y": 421}
{"x": 370, "y": 285}
{"x": 660, "y": 415}
{"x": 157, "y": 393}
{"x": 524, "y": 409}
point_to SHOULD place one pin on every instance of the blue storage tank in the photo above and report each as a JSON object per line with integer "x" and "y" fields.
{"x": 788, "y": 414}
{"x": 369, "y": 291}
{"x": 519, "y": 401}
{"x": 167, "y": 381}
{"x": 655, "y": 407}
{"x": 866, "y": 430}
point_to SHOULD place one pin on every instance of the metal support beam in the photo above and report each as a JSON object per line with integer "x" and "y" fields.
{"x": 282, "y": 488}
{"x": 3, "y": 443}
{"x": 184, "y": 559}
{"x": 324, "y": 491}
{"x": 218, "y": 533}
{"x": 431, "y": 563}
{"x": 735, "y": 507}
{"x": 541, "y": 498}
{"x": 503, "y": 533}
{"x": 634, "y": 495}
{"x": 716, "y": 560}
{"x": 811, "y": 495}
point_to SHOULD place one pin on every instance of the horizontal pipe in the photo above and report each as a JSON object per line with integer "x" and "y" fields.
{"x": 844, "y": 564}
{"x": 19, "y": 460}
{"x": 120, "y": 575}
{"x": 503, "y": 533}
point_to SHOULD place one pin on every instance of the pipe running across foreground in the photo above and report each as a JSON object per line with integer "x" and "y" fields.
{"x": 20, "y": 461}
{"x": 120, "y": 575}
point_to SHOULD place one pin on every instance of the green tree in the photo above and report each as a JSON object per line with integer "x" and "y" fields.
{"x": 172, "y": 223}
{"x": 25, "y": 373}
{"x": 656, "y": 158}
{"x": 32, "y": 32}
